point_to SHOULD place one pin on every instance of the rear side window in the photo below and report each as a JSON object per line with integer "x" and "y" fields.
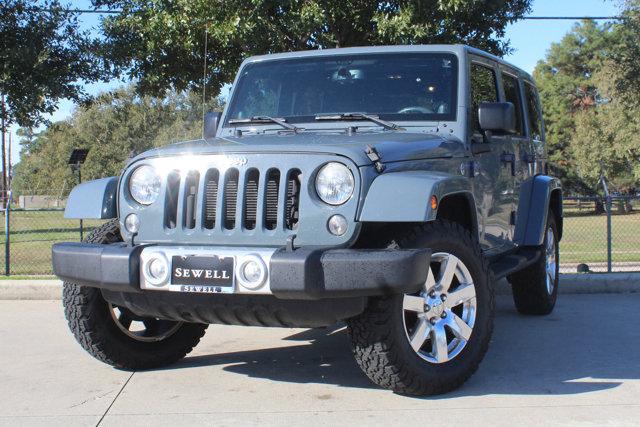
{"x": 483, "y": 89}
{"x": 512, "y": 94}
{"x": 533, "y": 111}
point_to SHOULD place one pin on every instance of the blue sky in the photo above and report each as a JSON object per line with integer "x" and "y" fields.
{"x": 530, "y": 39}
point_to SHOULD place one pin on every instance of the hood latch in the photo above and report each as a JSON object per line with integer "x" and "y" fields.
{"x": 373, "y": 155}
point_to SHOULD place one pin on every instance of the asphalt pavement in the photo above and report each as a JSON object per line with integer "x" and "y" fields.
{"x": 579, "y": 365}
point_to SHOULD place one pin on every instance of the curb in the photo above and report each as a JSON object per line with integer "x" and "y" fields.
{"x": 593, "y": 283}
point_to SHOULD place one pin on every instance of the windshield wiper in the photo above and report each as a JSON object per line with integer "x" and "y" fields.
{"x": 360, "y": 116}
{"x": 265, "y": 119}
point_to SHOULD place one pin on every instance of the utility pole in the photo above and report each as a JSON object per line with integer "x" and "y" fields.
{"x": 4, "y": 154}
{"x": 9, "y": 175}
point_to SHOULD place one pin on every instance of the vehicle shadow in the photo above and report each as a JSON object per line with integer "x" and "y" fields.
{"x": 589, "y": 343}
{"x": 321, "y": 356}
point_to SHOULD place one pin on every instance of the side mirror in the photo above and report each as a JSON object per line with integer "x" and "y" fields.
{"x": 497, "y": 117}
{"x": 211, "y": 121}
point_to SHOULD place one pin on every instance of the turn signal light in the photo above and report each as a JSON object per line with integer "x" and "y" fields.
{"x": 434, "y": 203}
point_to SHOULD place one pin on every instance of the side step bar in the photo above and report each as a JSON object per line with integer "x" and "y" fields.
{"x": 509, "y": 264}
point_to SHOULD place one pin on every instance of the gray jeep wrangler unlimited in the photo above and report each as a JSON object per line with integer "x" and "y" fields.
{"x": 386, "y": 187}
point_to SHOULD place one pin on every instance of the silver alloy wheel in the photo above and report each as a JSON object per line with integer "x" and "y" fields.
{"x": 145, "y": 329}
{"x": 551, "y": 264}
{"x": 439, "y": 319}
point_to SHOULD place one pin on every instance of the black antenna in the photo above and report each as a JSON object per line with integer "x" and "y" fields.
{"x": 204, "y": 77}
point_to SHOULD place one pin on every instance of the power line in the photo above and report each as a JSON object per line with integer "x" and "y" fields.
{"x": 572, "y": 18}
{"x": 533, "y": 18}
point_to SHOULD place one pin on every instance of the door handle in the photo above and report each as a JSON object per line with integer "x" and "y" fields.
{"x": 509, "y": 158}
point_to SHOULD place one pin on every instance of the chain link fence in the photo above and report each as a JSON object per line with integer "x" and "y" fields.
{"x": 588, "y": 241}
{"x": 29, "y": 234}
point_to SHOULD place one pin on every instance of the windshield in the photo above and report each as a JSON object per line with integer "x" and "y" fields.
{"x": 408, "y": 86}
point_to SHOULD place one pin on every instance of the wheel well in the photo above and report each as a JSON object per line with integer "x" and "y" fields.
{"x": 555, "y": 204}
{"x": 460, "y": 209}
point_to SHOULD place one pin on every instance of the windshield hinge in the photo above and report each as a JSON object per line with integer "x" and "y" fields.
{"x": 373, "y": 155}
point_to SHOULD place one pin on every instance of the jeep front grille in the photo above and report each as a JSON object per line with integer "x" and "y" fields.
{"x": 253, "y": 199}
{"x": 235, "y": 197}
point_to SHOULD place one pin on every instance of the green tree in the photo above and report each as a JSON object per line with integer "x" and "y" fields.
{"x": 160, "y": 44}
{"x": 607, "y": 137}
{"x": 44, "y": 57}
{"x": 565, "y": 79}
{"x": 626, "y": 59}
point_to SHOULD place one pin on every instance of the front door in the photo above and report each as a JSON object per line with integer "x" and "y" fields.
{"x": 494, "y": 163}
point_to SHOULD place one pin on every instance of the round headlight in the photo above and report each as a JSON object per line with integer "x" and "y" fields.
{"x": 334, "y": 183}
{"x": 144, "y": 185}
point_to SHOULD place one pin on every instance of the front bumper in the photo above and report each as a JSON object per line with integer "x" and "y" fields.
{"x": 303, "y": 273}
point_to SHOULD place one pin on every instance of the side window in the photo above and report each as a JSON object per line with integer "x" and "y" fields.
{"x": 533, "y": 111}
{"x": 512, "y": 94}
{"x": 483, "y": 89}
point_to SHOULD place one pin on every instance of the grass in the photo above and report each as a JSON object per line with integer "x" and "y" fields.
{"x": 585, "y": 239}
{"x": 32, "y": 235}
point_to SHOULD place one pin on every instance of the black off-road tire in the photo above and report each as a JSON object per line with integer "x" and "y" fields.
{"x": 90, "y": 321}
{"x": 529, "y": 286}
{"x": 378, "y": 338}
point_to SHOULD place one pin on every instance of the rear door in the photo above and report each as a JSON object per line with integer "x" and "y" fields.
{"x": 493, "y": 181}
{"x": 535, "y": 130}
{"x": 513, "y": 92}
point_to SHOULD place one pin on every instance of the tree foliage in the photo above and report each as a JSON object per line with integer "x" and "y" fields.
{"x": 113, "y": 127}
{"x": 588, "y": 86}
{"x": 565, "y": 79}
{"x": 160, "y": 44}
{"x": 44, "y": 56}
{"x": 626, "y": 58}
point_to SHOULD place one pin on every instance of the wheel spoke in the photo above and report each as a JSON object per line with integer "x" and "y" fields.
{"x": 551, "y": 242}
{"x": 550, "y": 281}
{"x": 459, "y": 327}
{"x": 420, "y": 334}
{"x": 413, "y": 303}
{"x": 462, "y": 294}
{"x": 431, "y": 281}
{"x": 439, "y": 343}
{"x": 447, "y": 273}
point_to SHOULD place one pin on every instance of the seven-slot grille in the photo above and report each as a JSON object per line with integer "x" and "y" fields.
{"x": 233, "y": 198}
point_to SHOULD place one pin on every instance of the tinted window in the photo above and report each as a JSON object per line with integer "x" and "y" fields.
{"x": 411, "y": 86}
{"x": 512, "y": 94}
{"x": 483, "y": 89}
{"x": 533, "y": 111}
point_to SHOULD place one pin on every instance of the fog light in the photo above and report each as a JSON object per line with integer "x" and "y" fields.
{"x": 252, "y": 272}
{"x": 132, "y": 223}
{"x": 337, "y": 225}
{"x": 157, "y": 270}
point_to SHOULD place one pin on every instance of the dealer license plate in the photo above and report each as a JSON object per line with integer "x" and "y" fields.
{"x": 202, "y": 273}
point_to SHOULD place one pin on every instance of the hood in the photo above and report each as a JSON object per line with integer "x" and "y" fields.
{"x": 391, "y": 146}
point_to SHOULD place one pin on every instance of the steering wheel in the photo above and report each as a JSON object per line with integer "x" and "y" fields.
{"x": 415, "y": 110}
